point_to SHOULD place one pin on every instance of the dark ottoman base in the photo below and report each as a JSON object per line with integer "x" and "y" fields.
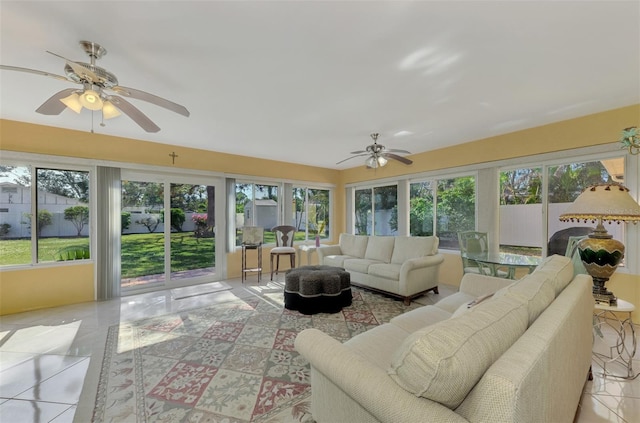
{"x": 317, "y": 289}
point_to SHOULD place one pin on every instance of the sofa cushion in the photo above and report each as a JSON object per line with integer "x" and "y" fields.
{"x": 336, "y": 261}
{"x": 353, "y": 245}
{"x": 451, "y": 303}
{"x": 557, "y": 268}
{"x": 380, "y": 248}
{"x": 386, "y": 270}
{"x": 444, "y": 361}
{"x": 537, "y": 291}
{"x": 358, "y": 265}
{"x": 408, "y": 247}
{"x": 417, "y": 319}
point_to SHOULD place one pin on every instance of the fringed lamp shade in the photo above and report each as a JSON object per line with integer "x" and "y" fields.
{"x": 600, "y": 253}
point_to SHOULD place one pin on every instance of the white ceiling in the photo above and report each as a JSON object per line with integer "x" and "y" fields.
{"x": 307, "y": 82}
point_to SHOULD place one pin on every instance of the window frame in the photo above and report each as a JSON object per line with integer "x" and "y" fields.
{"x": 290, "y": 200}
{"x": 434, "y": 181}
{"x": 59, "y": 164}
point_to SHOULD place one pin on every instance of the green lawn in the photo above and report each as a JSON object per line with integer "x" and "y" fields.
{"x": 142, "y": 254}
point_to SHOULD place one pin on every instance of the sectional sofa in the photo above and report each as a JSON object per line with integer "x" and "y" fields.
{"x": 496, "y": 351}
{"x": 403, "y": 266}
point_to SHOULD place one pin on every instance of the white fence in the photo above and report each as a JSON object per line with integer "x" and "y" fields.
{"x": 522, "y": 224}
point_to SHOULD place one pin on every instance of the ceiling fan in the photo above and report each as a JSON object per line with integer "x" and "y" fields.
{"x": 94, "y": 95}
{"x": 379, "y": 154}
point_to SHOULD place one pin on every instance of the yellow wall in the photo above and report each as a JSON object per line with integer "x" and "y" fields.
{"x": 27, "y": 138}
{"x": 47, "y": 286}
{"x": 601, "y": 128}
{"x": 586, "y": 131}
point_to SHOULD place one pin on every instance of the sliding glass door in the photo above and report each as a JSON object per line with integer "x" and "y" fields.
{"x": 168, "y": 231}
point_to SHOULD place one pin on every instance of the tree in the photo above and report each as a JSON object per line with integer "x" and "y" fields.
{"x": 362, "y": 210}
{"x": 78, "y": 215}
{"x": 67, "y": 183}
{"x": 16, "y": 174}
{"x": 151, "y": 223}
{"x": 143, "y": 194}
{"x": 421, "y": 209}
{"x": 521, "y": 186}
{"x": 566, "y": 182}
{"x": 299, "y": 196}
{"x": 456, "y": 205}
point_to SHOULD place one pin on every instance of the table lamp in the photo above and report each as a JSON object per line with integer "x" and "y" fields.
{"x": 600, "y": 253}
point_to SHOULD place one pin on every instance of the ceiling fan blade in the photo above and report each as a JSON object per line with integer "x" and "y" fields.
{"x": 358, "y": 152}
{"x": 395, "y": 150}
{"x": 134, "y": 113}
{"x": 80, "y": 70}
{"x": 352, "y": 157}
{"x": 53, "y": 106}
{"x": 398, "y": 158}
{"x": 37, "y": 72}
{"x": 153, "y": 99}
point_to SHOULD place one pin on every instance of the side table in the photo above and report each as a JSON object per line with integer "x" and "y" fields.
{"x": 309, "y": 249}
{"x": 245, "y": 268}
{"x": 624, "y": 348}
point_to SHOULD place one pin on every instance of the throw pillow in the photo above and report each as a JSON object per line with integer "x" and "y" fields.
{"x": 444, "y": 361}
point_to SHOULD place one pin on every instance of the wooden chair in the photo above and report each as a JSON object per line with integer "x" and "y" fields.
{"x": 284, "y": 246}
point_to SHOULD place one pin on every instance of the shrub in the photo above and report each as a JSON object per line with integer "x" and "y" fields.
{"x": 125, "y": 220}
{"x": 4, "y": 229}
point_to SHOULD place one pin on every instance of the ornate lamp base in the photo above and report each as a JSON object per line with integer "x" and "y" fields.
{"x": 601, "y": 294}
{"x": 601, "y": 254}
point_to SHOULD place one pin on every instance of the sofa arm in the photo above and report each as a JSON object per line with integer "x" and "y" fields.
{"x": 328, "y": 250}
{"x": 420, "y": 262}
{"x": 365, "y": 383}
{"x": 478, "y": 285}
{"x": 419, "y": 274}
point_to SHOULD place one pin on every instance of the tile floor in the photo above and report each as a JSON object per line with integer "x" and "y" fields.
{"x": 50, "y": 359}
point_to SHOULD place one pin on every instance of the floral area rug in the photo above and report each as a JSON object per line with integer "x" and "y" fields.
{"x": 231, "y": 362}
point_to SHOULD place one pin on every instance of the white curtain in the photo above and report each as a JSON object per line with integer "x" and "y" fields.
{"x": 108, "y": 223}
{"x": 230, "y": 214}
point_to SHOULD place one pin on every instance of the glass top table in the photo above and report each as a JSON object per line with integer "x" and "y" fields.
{"x": 510, "y": 261}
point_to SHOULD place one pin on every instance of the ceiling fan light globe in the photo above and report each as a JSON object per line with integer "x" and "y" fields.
{"x": 381, "y": 161}
{"x": 72, "y": 102}
{"x": 91, "y": 100}
{"x": 371, "y": 162}
{"x": 110, "y": 111}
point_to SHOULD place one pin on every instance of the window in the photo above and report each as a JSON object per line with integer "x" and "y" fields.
{"x": 376, "y": 211}
{"x": 522, "y": 203}
{"x": 421, "y": 209}
{"x": 520, "y": 207}
{"x": 310, "y": 213}
{"x": 442, "y": 207}
{"x": 15, "y": 225}
{"x": 566, "y": 182}
{"x": 256, "y": 205}
{"x": 60, "y": 227}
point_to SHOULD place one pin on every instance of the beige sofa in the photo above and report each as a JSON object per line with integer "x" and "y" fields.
{"x": 403, "y": 266}
{"x": 522, "y": 355}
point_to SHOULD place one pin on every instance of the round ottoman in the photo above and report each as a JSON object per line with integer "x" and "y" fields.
{"x": 317, "y": 289}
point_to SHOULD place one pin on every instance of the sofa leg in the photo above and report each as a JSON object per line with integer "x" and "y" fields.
{"x": 406, "y": 301}
{"x": 435, "y": 290}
